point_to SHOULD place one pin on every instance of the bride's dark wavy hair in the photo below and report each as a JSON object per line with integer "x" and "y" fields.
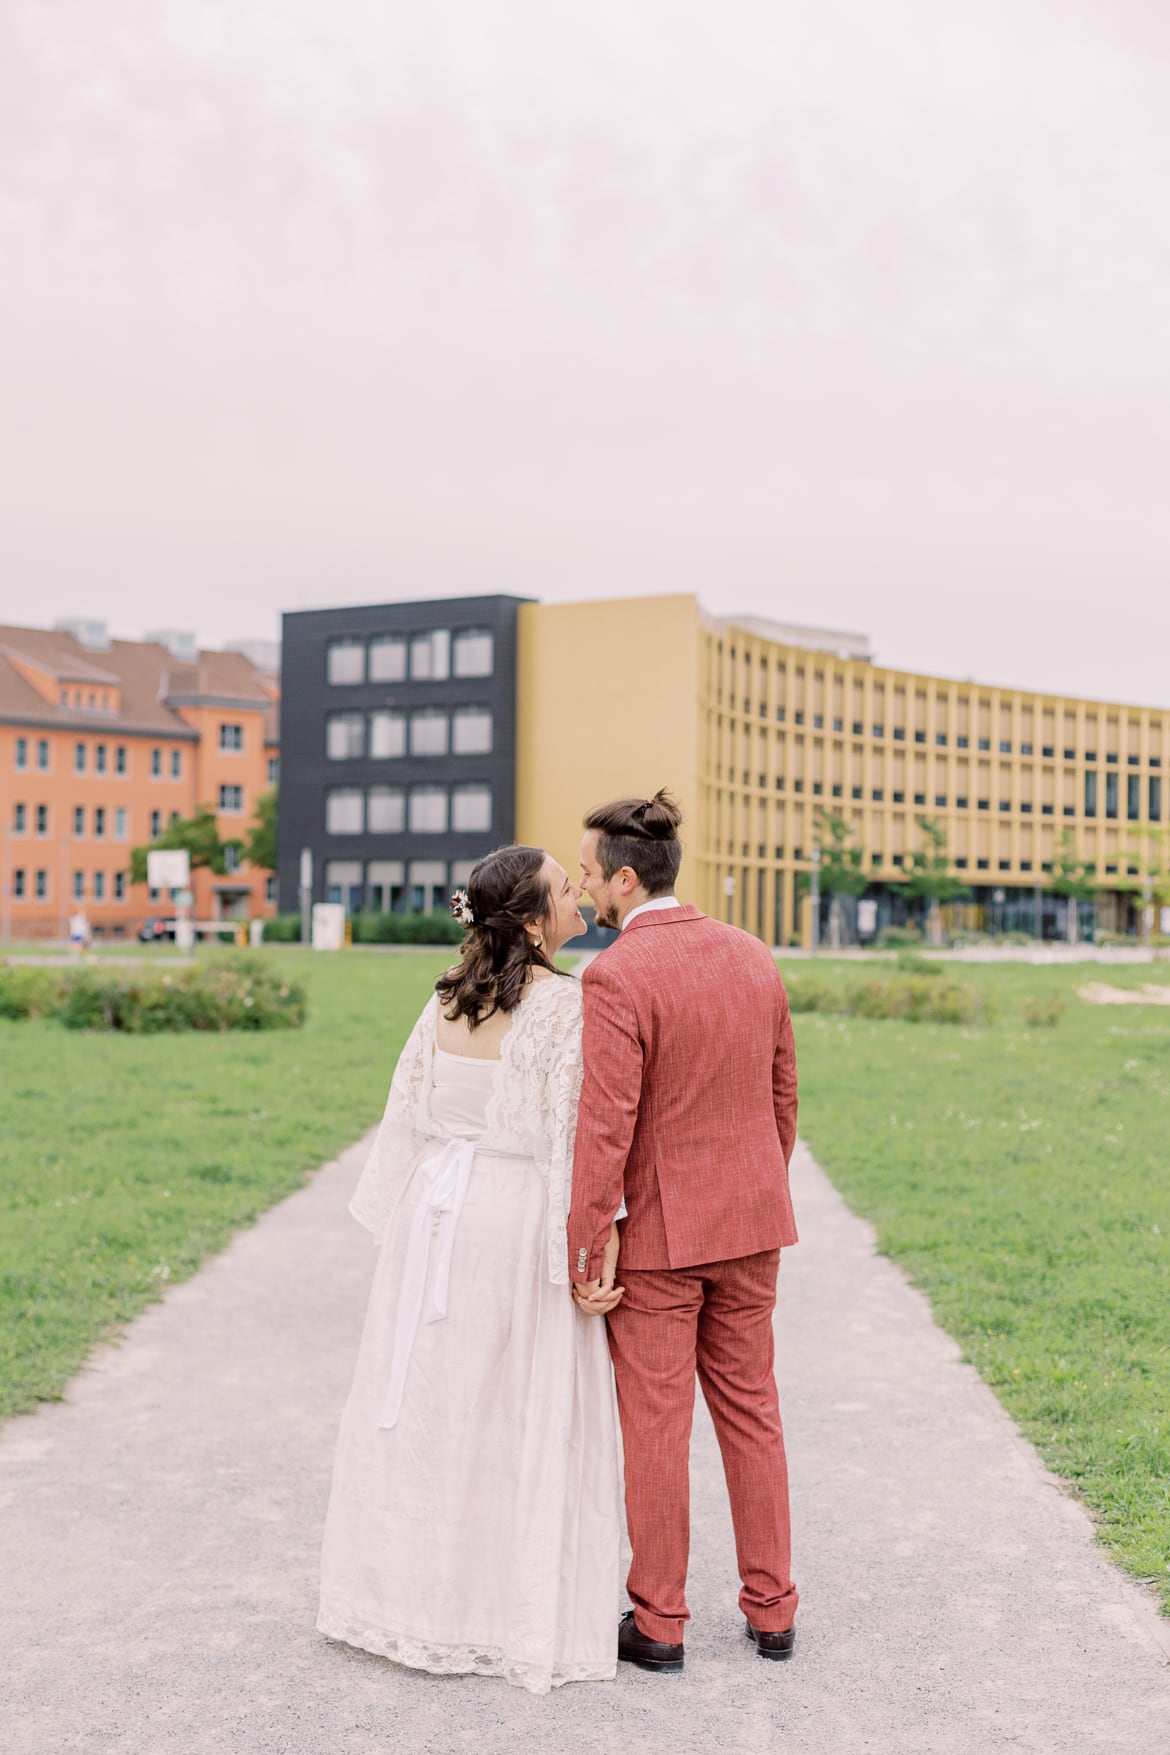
{"x": 507, "y": 892}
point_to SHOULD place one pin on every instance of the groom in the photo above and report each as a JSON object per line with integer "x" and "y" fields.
{"x": 688, "y": 1112}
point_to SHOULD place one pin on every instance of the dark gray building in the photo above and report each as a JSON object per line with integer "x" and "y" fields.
{"x": 397, "y": 748}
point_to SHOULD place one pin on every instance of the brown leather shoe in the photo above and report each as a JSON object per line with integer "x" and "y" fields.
{"x": 638, "y": 1648}
{"x": 772, "y": 1645}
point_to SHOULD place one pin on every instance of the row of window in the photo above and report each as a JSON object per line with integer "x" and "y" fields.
{"x": 115, "y": 758}
{"x": 1133, "y": 797}
{"x": 382, "y": 735}
{"x": 423, "y": 810}
{"x": 1114, "y": 869}
{"x": 115, "y": 891}
{"x": 394, "y": 885}
{"x": 1004, "y": 746}
{"x": 104, "y": 821}
{"x": 428, "y": 657}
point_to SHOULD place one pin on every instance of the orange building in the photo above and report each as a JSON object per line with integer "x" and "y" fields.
{"x": 102, "y": 744}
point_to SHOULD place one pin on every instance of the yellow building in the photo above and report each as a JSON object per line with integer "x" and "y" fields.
{"x": 761, "y": 728}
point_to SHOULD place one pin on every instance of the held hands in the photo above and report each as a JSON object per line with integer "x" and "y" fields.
{"x": 599, "y": 1297}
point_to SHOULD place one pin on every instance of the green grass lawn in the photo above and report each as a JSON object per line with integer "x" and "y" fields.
{"x": 126, "y": 1160}
{"x": 1019, "y": 1175}
{"x": 1022, "y": 1179}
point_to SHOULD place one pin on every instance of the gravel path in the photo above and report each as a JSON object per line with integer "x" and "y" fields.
{"x": 158, "y": 1536}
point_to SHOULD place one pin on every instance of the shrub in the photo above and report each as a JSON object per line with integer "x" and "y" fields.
{"x": 27, "y": 993}
{"x": 892, "y": 938}
{"x": 224, "y": 991}
{"x": 373, "y": 927}
{"x": 915, "y": 1000}
{"x": 1044, "y": 1010}
{"x": 283, "y": 929}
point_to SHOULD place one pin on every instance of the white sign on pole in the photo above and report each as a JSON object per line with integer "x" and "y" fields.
{"x": 168, "y": 868}
{"x": 866, "y": 916}
{"x": 729, "y": 886}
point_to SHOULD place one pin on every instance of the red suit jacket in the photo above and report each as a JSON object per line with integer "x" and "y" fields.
{"x": 688, "y": 1106}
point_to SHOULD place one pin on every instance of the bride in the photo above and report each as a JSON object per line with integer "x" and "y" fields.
{"x": 474, "y": 1521}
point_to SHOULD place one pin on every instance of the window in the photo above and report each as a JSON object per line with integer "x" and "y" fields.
{"x": 79, "y": 758}
{"x": 79, "y": 886}
{"x": 1155, "y": 799}
{"x": 231, "y": 798}
{"x": 99, "y": 886}
{"x": 962, "y": 743}
{"x": 344, "y": 736}
{"x": 1005, "y": 804}
{"x": 19, "y": 816}
{"x": 1090, "y": 794}
{"x": 472, "y": 731}
{"x": 99, "y": 758}
{"x": 173, "y": 817}
{"x": 273, "y": 770}
{"x": 430, "y": 656}
{"x": 270, "y": 887}
{"x": 346, "y": 661}
{"x": 428, "y": 810}
{"x": 99, "y": 821}
{"x": 18, "y": 883}
{"x": 1005, "y": 748}
{"x": 231, "y": 737}
{"x": 176, "y": 764}
{"x": 940, "y": 801}
{"x": 79, "y": 819}
{"x": 474, "y": 652}
{"x": 43, "y": 754}
{"x": 120, "y": 759}
{"x": 899, "y": 734}
{"x": 879, "y": 731}
{"x": 231, "y": 856}
{"x": 155, "y": 824}
{"x": 344, "y": 810}
{"x": 1025, "y": 749}
{"x": 42, "y": 885}
{"x": 1111, "y": 795}
{"x": 387, "y": 735}
{"x": 388, "y": 659}
{"x": 156, "y": 764}
{"x": 961, "y": 803}
{"x": 120, "y": 824}
{"x": 119, "y": 886}
{"x": 471, "y": 809}
{"x": 428, "y": 734}
{"x": 22, "y": 752}
{"x": 1133, "y": 797}
{"x": 386, "y": 810}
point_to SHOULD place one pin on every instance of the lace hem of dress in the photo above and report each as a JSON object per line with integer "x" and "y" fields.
{"x": 462, "y": 1660}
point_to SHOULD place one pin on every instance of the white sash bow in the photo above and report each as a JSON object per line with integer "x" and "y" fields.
{"x": 445, "y": 1177}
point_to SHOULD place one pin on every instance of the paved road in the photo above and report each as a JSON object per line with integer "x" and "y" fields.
{"x": 158, "y": 1536}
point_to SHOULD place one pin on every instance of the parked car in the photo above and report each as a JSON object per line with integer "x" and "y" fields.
{"x": 158, "y": 929}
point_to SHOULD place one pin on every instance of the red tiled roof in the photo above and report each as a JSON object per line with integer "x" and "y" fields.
{"x": 148, "y": 677}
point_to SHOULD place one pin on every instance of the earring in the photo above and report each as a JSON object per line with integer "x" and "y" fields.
{"x": 538, "y": 941}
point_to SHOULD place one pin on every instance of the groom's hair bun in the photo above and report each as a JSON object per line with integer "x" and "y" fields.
{"x": 641, "y": 833}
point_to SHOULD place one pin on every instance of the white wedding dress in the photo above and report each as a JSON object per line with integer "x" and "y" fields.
{"x": 474, "y": 1523}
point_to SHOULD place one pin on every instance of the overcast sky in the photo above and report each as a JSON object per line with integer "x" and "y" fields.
{"x": 840, "y": 312}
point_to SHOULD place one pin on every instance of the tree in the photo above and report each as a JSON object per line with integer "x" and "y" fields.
{"x": 260, "y": 847}
{"x": 929, "y": 876}
{"x": 1073, "y": 878}
{"x": 841, "y": 872}
{"x": 1151, "y": 854}
{"x": 197, "y": 835}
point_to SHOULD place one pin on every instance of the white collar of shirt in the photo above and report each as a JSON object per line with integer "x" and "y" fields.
{"x": 651, "y": 907}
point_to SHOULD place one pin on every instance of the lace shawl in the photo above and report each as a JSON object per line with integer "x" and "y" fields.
{"x": 532, "y": 1111}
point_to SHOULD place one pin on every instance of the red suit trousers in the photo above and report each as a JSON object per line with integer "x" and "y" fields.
{"x": 715, "y": 1320}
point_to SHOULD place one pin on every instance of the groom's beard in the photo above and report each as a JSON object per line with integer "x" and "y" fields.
{"x": 605, "y": 914}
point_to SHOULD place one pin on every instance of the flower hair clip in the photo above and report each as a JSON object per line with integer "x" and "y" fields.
{"x": 461, "y": 908}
